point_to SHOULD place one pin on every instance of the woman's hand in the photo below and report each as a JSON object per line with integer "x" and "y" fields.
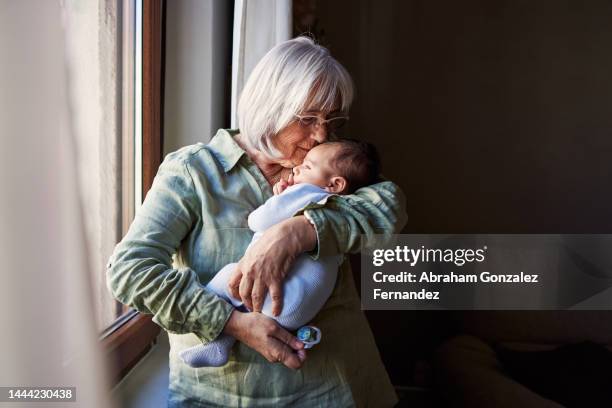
{"x": 266, "y": 264}
{"x": 266, "y": 337}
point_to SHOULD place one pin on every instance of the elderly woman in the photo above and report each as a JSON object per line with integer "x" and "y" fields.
{"x": 197, "y": 210}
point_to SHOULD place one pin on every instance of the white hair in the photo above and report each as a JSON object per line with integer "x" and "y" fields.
{"x": 293, "y": 77}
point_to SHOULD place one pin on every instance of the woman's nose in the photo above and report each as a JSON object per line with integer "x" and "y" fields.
{"x": 319, "y": 133}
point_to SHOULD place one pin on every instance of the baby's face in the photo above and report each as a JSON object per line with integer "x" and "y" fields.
{"x": 316, "y": 168}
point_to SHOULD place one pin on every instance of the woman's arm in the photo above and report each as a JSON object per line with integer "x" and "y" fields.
{"x": 366, "y": 218}
{"x": 140, "y": 272}
{"x": 342, "y": 225}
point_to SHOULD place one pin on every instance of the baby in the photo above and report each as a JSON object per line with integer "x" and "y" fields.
{"x": 338, "y": 167}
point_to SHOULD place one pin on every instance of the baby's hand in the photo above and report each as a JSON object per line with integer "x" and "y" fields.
{"x": 282, "y": 185}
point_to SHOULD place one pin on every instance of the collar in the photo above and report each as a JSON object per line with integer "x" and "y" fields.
{"x": 225, "y": 149}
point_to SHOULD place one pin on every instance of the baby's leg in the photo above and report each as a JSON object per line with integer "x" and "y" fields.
{"x": 306, "y": 289}
{"x": 215, "y": 353}
{"x": 218, "y": 284}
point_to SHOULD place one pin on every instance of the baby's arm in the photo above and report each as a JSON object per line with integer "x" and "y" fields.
{"x": 283, "y": 206}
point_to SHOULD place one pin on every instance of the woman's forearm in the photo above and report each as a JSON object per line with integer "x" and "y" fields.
{"x": 300, "y": 234}
{"x": 347, "y": 224}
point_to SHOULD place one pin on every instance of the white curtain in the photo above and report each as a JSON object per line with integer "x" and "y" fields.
{"x": 48, "y": 336}
{"x": 258, "y": 26}
{"x": 91, "y": 47}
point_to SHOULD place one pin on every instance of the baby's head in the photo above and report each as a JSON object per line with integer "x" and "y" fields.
{"x": 340, "y": 167}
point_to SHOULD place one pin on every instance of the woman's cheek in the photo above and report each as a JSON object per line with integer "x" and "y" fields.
{"x": 298, "y": 156}
{"x": 287, "y": 163}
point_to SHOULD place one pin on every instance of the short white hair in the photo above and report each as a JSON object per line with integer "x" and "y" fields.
{"x": 293, "y": 77}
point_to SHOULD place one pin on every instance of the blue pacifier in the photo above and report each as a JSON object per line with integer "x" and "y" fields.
{"x": 309, "y": 335}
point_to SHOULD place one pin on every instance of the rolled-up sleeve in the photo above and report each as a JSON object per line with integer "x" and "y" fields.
{"x": 140, "y": 272}
{"x": 346, "y": 224}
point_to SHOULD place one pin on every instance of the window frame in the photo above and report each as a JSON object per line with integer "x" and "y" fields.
{"x": 133, "y": 334}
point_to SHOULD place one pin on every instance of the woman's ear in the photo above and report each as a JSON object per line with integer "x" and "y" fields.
{"x": 337, "y": 185}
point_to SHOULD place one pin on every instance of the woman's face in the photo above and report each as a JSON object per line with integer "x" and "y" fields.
{"x": 295, "y": 140}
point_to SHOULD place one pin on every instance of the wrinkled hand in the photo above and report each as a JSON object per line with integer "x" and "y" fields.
{"x": 266, "y": 337}
{"x": 266, "y": 264}
{"x": 282, "y": 185}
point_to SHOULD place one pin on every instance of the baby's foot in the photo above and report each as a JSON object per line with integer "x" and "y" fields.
{"x": 213, "y": 354}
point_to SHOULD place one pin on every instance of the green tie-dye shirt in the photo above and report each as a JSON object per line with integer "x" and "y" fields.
{"x": 192, "y": 223}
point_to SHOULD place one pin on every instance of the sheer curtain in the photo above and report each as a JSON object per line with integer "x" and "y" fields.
{"x": 258, "y": 26}
{"x": 49, "y": 336}
{"x": 93, "y": 61}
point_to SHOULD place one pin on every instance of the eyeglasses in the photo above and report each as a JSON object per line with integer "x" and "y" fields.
{"x": 333, "y": 123}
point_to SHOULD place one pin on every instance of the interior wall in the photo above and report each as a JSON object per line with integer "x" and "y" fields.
{"x": 197, "y": 70}
{"x": 493, "y": 116}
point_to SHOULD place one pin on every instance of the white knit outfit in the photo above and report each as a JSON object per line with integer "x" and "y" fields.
{"x": 305, "y": 290}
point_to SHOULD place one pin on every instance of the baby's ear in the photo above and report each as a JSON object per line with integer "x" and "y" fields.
{"x": 337, "y": 185}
